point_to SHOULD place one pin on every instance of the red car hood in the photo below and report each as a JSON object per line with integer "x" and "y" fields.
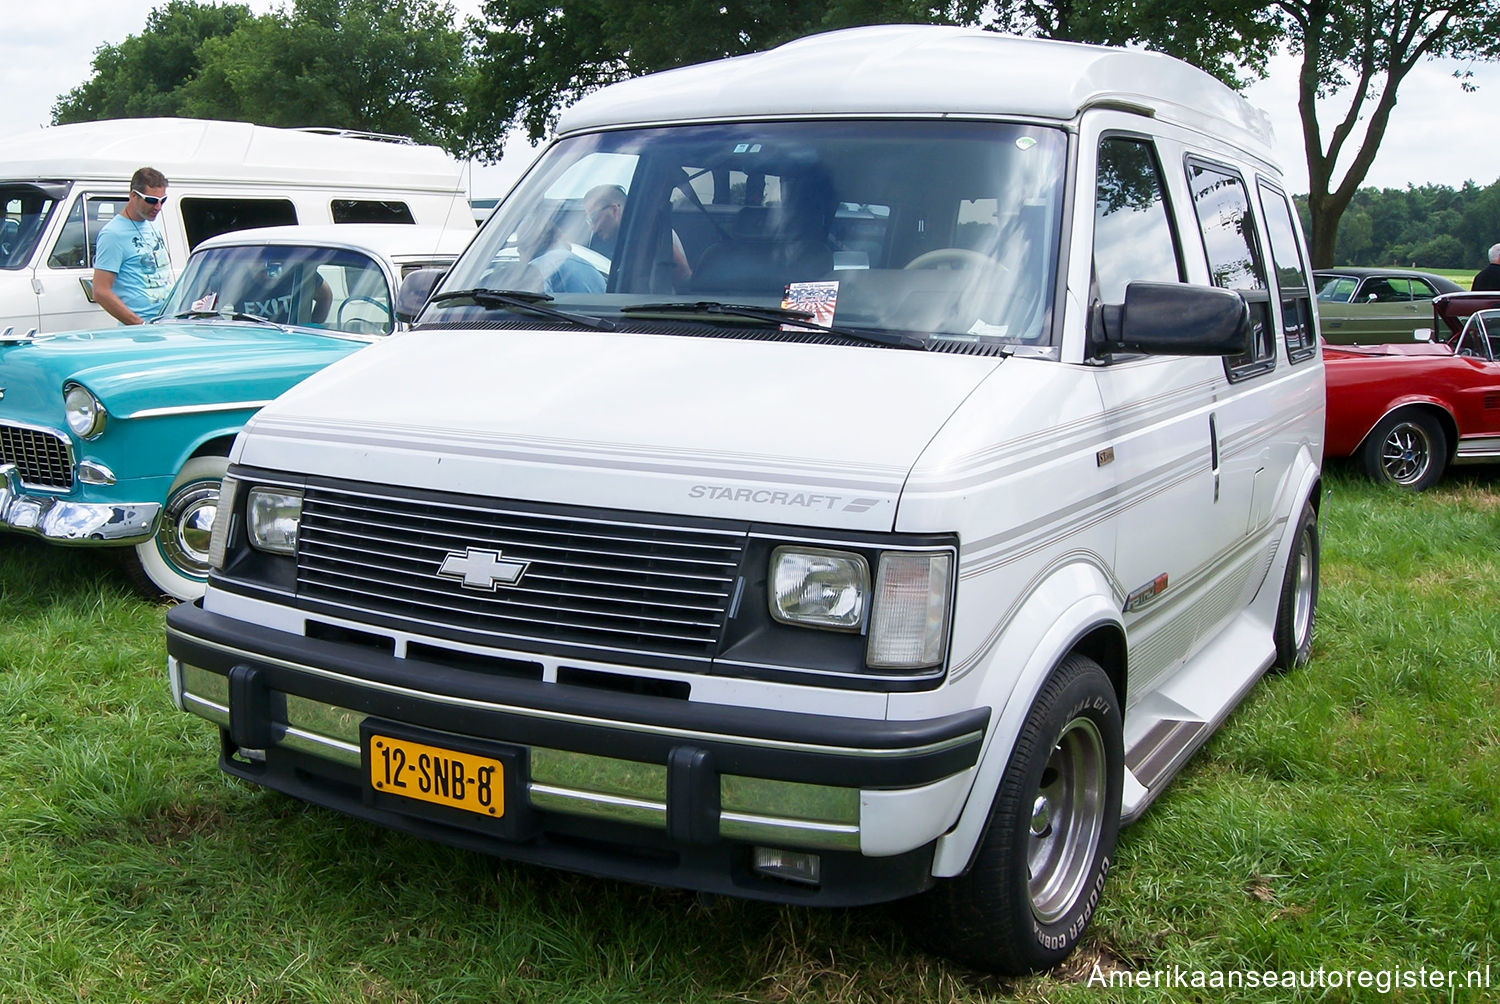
{"x": 1386, "y": 349}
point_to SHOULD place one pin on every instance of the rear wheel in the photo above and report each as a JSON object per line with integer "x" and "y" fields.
{"x": 1407, "y": 449}
{"x": 174, "y": 562}
{"x": 1039, "y": 871}
{"x": 1299, "y": 594}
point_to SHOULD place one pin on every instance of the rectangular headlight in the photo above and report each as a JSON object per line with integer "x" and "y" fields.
{"x": 218, "y": 538}
{"x": 818, "y": 588}
{"x": 910, "y": 610}
{"x": 273, "y": 515}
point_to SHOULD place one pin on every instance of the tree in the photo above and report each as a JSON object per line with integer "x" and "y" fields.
{"x": 535, "y": 57}
{"x": 394, "y": 67}
{"x": 1369, "y": 48}
{"x": 145, "y": 74}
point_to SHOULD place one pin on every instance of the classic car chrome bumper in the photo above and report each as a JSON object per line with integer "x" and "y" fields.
{"x": 64, "y": 522}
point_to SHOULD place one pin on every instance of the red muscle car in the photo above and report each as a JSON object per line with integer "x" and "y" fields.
{"x": 1407, "y": 411}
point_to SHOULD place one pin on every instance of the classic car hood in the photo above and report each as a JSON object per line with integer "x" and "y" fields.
{"x": 1403, "y": 349}
{"x": 787, "y": 433}
{"x": 176, "y": 364}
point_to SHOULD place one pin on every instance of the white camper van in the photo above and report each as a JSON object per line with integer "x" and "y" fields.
{"x": 60, "y": 185}
{"x": 903, "y": 545}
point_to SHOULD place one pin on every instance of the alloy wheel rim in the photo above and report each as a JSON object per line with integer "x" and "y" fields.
{"x": 1067, "y": 820}
{"x": 1406, "y": 454}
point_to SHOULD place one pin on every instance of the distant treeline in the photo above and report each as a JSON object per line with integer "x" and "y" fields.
{"x": 1433, "y": 226}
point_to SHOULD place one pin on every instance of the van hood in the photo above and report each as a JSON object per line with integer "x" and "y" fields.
{"x": 168, "y": 364}
{"x": 808, "y": 434}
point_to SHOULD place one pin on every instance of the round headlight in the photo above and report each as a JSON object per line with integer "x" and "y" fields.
{"x": 84, "y": 412}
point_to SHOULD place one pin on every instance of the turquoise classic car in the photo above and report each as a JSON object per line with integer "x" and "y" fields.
{"x": 118, "y": 437}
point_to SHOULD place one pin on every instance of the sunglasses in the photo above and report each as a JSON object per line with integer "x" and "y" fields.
{"x": 151, "y": 200}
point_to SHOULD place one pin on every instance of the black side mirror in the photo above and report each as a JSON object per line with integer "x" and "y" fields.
{"x": 415, "y": 291}
{"x": 1174, "y": 319}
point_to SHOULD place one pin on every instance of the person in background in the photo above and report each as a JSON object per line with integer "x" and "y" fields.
{"x": 131, "y": 271}
{"x": 1489, "y": 277}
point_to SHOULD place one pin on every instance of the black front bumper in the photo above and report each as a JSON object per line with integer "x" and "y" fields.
{"x": 693, "y": 744}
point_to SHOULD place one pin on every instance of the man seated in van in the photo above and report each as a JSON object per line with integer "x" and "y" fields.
{"x": 131, "y": 271}
{"x": 550, "y": 253}
{"x": 603, "y": 206}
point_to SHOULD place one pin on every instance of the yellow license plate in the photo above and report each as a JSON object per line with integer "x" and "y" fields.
{"x": 440, "y": 776}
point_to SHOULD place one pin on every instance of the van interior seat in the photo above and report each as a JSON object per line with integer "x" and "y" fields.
{"x": 768, "y": 247}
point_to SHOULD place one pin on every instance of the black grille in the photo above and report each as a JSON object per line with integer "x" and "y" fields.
{"x": 589, "y": 580}
{"x": 42, "y": 459}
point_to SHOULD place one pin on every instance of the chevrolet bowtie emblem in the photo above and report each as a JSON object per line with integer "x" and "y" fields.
{"x": 482, "y": 569}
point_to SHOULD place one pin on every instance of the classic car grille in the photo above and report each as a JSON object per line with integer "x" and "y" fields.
{"x": 42, "y": 459}
{"x": 590, "y": 580}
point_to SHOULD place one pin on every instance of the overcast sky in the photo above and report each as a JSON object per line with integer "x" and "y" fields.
{"x": 1438, "y": 134}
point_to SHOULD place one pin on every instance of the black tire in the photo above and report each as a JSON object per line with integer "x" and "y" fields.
{"x": 1299, "y": 594}
{"x": 1407, "y": 449}
{"x": 1037, "y": 876}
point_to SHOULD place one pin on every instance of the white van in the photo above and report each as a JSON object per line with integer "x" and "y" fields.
{"x": 903, "y": 548}
{"x": 60, "y": 185}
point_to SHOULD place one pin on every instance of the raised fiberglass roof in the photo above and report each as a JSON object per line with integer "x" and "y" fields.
{"x": 927, "y": 70}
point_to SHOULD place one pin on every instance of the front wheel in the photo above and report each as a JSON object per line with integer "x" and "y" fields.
{"x": 1038, "y": 873}
{"x": 174, "y": 562}
{"x": 1299, "y": 594}
{"x": 1406, "y": 449}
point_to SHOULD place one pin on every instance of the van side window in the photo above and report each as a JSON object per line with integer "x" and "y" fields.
{"x": 370, "y": 211}
{"x": 1133, "y": 236}
{"x": 80, "y": 232}
{"x": 205, "y": 218}
{"x": 1292, "y": 285}
{"x": 1234, "y": 260}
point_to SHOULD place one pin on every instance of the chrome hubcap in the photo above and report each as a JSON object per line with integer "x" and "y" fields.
{"x": 186, "y": 526}
{"x": 1067, "y": 818}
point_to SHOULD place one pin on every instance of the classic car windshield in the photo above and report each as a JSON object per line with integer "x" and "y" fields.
{"x": 935, "y": 229}
{"x": 316, "y": 287}
{"x": 1480, "y": 337}
{"x": 24, "y": 210}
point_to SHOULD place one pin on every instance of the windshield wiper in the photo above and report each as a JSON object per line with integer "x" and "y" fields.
{"x": 527, "y": 302}
{"x": 235, "y": 315}
{"x": 777, "y": 316}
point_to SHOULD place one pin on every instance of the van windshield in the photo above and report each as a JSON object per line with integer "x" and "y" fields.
{"x": 24, "y": 211}
{"x": 935, "y": 230}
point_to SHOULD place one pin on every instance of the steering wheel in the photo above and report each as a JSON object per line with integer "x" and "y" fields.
{"x": 954, "y": 258}
{"x": 384, "y": 308}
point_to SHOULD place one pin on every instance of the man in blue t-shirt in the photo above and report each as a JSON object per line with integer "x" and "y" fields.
{"x": 131, "y": 272}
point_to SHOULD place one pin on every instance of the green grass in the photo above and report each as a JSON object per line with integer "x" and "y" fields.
{"x": 1463, "y": 276}
{"x": 1347, "y": 816}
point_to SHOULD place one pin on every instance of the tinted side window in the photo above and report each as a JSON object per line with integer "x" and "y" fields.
{"x": 80, "y": 232}
{"x": 370, "y": 211}
{"x": 205, "y": 218}
{"x": 1291, "y": 274}
{"x": 1133, "y": 236}
{"x": 1234, "y": 260}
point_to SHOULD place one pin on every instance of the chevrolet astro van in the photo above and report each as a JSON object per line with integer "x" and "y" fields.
{"x": 887, "y": 505}
{"x": 60, "y": 185}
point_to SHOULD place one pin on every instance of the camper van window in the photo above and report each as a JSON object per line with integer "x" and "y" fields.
{"x": 24, "y": 210}
{"x": 1234, "y": 258}
{"x": 80, "y": 233}
{"x": 205, "y": 218}
{"x": 370, "y": 211}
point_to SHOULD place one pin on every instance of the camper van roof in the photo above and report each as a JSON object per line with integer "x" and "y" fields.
{"x": 922, "y": 70}
{"x": 206, "y": 150}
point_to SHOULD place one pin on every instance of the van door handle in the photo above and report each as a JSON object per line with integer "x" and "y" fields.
{"x": 1213, "y": 452}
